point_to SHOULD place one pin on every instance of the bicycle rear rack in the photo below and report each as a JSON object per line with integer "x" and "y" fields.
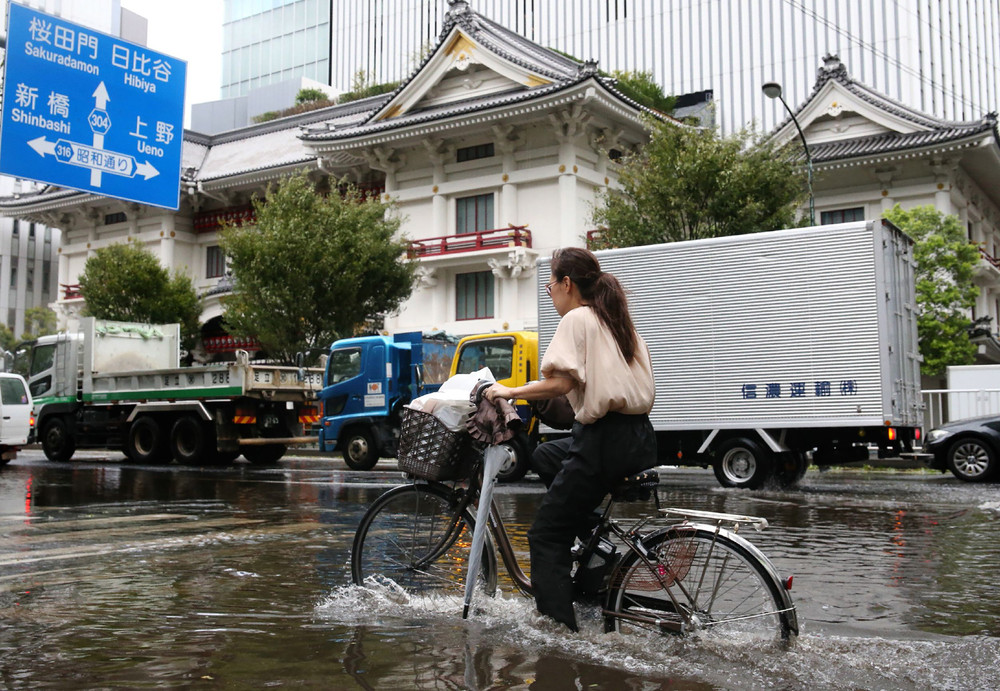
{"x": 735, "y": 520}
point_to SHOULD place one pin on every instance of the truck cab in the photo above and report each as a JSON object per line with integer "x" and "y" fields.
{"x": 366, "y": 383}
{"x": 512, "y": 357}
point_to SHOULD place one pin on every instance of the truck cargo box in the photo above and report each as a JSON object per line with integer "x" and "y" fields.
{"x": 802, "y": 328}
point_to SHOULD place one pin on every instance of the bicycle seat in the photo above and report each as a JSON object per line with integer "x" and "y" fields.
{"x": 637, "y": 487}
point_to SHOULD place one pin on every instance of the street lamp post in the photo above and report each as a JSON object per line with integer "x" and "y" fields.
{"x": 773, "y": 90}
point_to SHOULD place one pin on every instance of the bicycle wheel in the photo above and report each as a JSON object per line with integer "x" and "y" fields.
{"x": 699, "y": 580}
{"x": 416, "y": 536}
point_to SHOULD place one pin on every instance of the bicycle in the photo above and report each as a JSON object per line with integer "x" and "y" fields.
{"x": 681, "y": 578}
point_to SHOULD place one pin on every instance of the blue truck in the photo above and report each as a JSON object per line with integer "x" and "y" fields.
{"x": 367, "y": 382}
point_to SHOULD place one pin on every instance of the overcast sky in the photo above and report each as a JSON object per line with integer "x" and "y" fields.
{"x": 190, "y": 30}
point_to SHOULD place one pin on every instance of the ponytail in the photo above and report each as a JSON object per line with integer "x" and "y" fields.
{"x": 602, "y": 291}
{"x": 611, "y": 306}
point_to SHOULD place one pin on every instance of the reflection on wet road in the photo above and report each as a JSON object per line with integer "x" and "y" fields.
{"x": 118, "y": 576}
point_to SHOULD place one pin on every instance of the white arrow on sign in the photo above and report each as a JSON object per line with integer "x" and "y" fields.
{"x": 146, "y": 170}
{"x": 101, "y": 99}
{"x": 42, "y": 146}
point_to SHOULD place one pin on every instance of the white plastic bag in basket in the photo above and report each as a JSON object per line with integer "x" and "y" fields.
{"x": 450, "y": 404}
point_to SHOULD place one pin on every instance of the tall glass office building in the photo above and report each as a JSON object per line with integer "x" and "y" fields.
{"x": 269, "y": 41}
{"x": 939, "y": 56}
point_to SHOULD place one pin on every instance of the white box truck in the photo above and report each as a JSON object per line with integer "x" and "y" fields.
{"x": 119, "y": 385}
{"x": 775, "y": 349}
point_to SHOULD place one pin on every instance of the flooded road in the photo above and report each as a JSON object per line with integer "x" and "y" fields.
{"x": 118, "y": 576}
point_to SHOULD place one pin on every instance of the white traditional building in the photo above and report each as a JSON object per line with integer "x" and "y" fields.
{"x": 939, "y": 56}
{"x": 870, "y": 153}
{"x": 495, "y": 150}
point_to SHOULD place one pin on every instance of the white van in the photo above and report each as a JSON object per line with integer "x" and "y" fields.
{"x": 16, "y": 415}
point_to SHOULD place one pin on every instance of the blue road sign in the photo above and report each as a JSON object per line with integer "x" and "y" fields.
{"x": 91, "y": 112}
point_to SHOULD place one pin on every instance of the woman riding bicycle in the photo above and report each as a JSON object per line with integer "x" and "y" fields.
{"x": 599, "y": 361}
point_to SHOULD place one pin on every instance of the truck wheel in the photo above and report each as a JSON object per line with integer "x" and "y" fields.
{"x": 191, "y": 441}
{"x": 145, "y": 441}
{"x": 57, "y": 442}
{"x": 266, "y": 454}
{"x": 790, "y": 468}
{"x": 516, "y": 469}
{"x": 971, "y": 460}
{"x": 742, "y": 463}
{"x": 358, "y": 449}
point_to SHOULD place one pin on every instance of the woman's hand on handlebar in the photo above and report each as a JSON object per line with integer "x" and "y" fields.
{"x": 498, "y": 391}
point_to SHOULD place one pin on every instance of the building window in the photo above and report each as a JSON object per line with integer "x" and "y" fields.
{"x": 17, "y": 227}
{"x": 474, "y": 295}
{"x": 842, "y": 216}
{"x": 474, "y": 214}
{"x": 215, "y": 262}
{"x": 111, "y": 219}
{"x": 13, "y": 272}
{"x": 471, "y": 153}
{"x": 46, "y": 279}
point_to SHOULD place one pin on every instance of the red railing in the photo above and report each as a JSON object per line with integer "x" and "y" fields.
{"x": 369, "y": 190}
{"x": 229, "y": 344}
{"x": 514, "y": 236}
{"x": 989, "y": 258}
{"x": 208, "y": 221}
{"x": 594, "y": 240}
{"x": 71, "y": 291}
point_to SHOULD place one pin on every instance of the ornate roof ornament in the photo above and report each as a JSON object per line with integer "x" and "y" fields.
{"x": 456, "y": 7}
{"x": 832, "y": 68}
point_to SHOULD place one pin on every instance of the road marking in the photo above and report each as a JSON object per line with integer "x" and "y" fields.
{"x": 172, "y": 542}
{"x": 38, "y": 522}
{"x": 89, "y": 535}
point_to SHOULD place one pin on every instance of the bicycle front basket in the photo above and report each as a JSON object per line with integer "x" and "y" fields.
{"x": 429, "y": 450}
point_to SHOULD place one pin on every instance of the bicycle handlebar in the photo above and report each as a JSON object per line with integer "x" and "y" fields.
{"x": 480, "y": 390}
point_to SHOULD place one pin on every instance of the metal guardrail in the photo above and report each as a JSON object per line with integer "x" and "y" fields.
{"x": 945, "y": 405}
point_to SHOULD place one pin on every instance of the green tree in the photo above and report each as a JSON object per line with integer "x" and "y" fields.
{"x": 362, "y": 86}
{"x": 689, "y": 183}
{"x": 308, "y": 95}
{"x": 7, "y": 338}
{"x": 126, "y": 282}
{"x": 313, "y": 268}
{"x": 945, "y": 291}
{"x": 642, "y": 88}
{"x": 38, "y": 321}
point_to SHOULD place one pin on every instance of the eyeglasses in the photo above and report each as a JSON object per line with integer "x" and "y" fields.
{"x": 548, "y": 287}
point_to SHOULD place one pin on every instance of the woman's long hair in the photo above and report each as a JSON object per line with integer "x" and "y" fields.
{"x": 602, "y": 291}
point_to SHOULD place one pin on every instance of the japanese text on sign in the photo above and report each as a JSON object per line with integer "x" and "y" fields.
{"x": 817, "y": 389}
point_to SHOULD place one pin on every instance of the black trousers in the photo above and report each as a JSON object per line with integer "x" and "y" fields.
{"x": 579, "y": 470}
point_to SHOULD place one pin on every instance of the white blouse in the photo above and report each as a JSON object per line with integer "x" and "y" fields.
{"x": 583, "y": 349}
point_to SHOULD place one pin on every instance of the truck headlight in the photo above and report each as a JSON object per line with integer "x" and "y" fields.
{"x": 936, "y": 435}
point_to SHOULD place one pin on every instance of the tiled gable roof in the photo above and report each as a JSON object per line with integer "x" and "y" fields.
{"x": 933, "y": 131}
{"x": 892, "y": 142}
{"x": 509, "y": 45}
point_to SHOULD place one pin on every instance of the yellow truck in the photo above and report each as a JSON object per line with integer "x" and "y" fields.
{"x": 512, "y": 357}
